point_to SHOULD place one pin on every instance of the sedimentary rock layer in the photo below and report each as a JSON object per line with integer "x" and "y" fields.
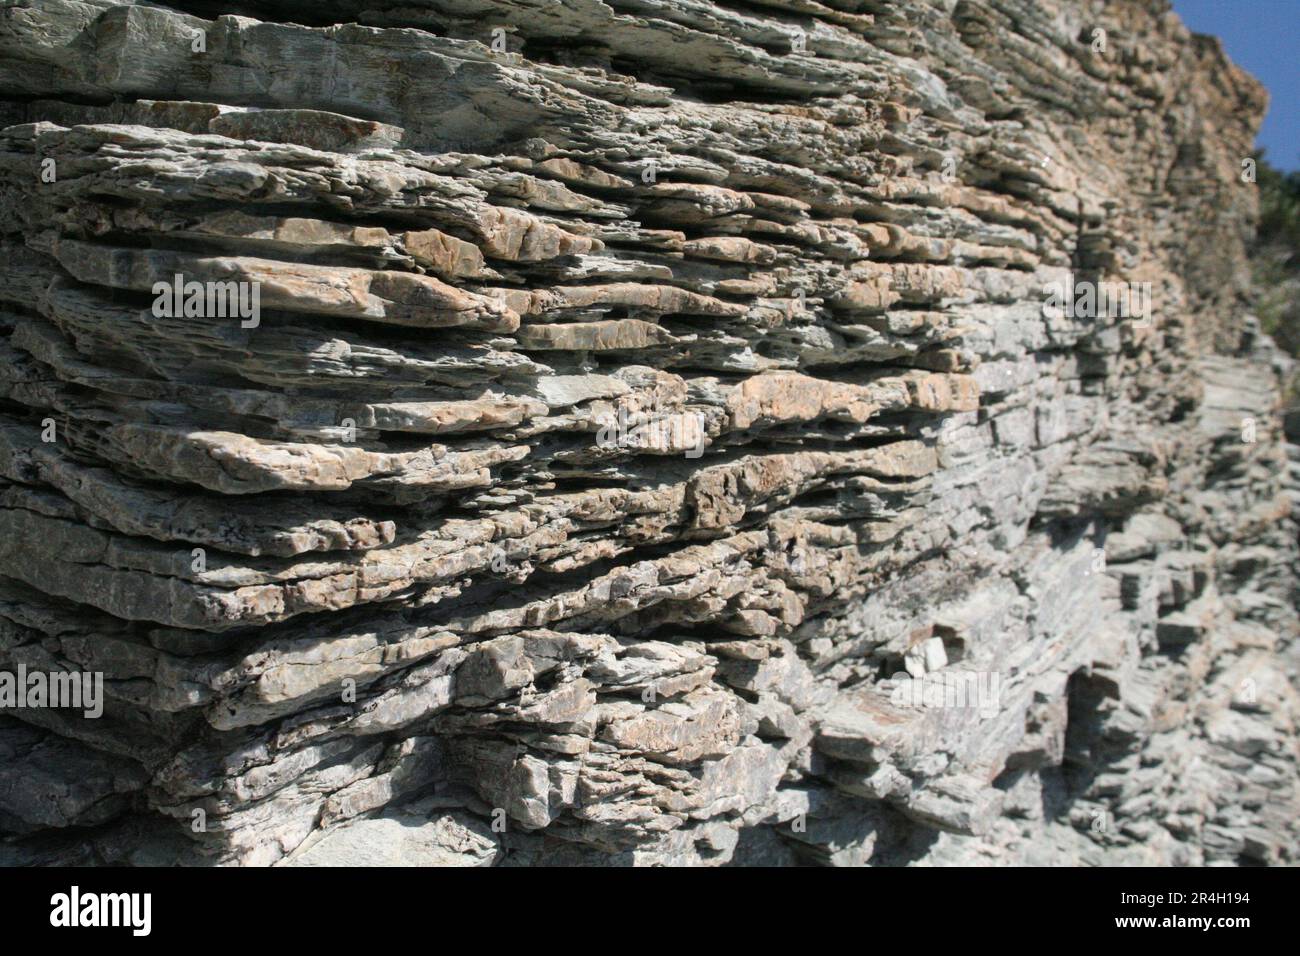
{"x": 546, "y": 431}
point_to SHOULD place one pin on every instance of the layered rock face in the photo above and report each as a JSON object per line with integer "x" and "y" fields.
{"x": 644, "y": 431}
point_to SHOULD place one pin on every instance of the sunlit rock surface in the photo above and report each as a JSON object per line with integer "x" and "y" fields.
{"x": 655, "y": 442}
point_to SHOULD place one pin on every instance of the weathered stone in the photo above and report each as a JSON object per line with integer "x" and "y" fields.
{"x": 656, "y": 442}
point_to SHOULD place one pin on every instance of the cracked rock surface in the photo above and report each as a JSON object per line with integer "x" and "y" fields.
{"x": 654, "y": 444}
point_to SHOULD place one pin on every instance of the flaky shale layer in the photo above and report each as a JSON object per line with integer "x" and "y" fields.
{"x": 526, "y": 432}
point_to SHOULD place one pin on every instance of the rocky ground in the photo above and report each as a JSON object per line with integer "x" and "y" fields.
{"x": 655, "y": 444}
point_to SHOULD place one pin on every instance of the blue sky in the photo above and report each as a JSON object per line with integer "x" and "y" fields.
{"x": 1263, "y": 37}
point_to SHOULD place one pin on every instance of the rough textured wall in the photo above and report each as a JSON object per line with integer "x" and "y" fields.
{"x": 655, "y": 441}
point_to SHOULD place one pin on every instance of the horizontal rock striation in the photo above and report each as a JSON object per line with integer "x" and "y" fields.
{"x": 470, "y": 432}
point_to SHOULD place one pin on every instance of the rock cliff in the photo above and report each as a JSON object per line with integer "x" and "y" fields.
{"x": 526, "y": 432}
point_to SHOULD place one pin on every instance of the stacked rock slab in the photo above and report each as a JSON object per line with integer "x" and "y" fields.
{"x": 652, "y": 408}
